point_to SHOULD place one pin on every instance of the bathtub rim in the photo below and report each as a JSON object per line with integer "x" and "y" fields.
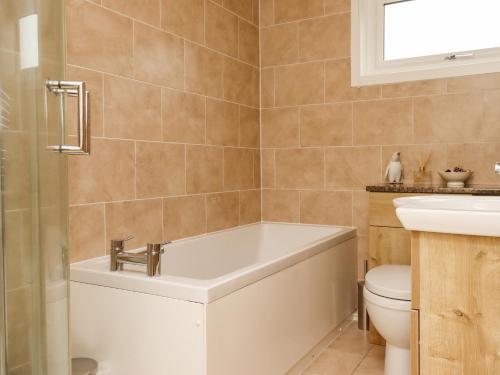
{"x": 91, "y": 271}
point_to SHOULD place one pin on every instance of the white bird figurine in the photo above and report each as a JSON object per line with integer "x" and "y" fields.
{"x": 394, "y": 170}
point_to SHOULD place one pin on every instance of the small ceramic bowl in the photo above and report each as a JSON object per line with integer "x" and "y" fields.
{"x": 455, "y": 179}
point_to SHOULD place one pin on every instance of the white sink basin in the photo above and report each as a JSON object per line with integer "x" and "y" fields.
{"x": 457, "y": 214}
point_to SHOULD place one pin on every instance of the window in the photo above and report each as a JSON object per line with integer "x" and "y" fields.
{"x": 405, "y": 40}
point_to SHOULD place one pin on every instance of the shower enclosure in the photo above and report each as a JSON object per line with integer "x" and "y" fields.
{"x": 33, "y": 245}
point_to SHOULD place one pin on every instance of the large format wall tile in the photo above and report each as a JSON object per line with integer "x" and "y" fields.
{"x": 183, "y": 117}
{"x": 184, "y": 18}
{"x": 158, "y": 57}
{"x": 221, "y": 29}
{"x": 204, "y": 169}
{"x": 279, "y": 44}
{"x": 98, "y": 38}
{"x": 132, "y": 110}
{"x": 107, "y": 174}
{"x": 204, "y": 69}
{"x": 300, "y": 84}
{"x": 184, "y": 217}
{"x": 325, "y": 38}
{"x": 383, "y": 122}
{"x": 160, "y": 170}
{"x": 147, "y": 11}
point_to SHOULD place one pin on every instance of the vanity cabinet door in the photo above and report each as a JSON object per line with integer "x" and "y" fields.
{"x": 459, "y": 304}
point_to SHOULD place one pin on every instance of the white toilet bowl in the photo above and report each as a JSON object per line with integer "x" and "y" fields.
{"x": 387, "y": 297}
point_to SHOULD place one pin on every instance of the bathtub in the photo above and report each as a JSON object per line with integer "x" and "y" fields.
{"x": 259, "y": 299}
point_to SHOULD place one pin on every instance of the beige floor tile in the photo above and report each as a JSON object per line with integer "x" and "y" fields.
{"x": 335, "y": 362}
{"x": 352, "y": 340}
{"x": 373, "y": 363}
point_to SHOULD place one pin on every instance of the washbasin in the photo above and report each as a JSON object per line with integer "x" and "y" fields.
{"x": 456, "y": 214}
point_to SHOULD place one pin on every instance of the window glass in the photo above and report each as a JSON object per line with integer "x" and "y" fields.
{"x": 416, "y": 28}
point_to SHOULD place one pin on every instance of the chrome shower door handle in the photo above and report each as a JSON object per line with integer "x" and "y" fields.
{"x": 74, "y": 89}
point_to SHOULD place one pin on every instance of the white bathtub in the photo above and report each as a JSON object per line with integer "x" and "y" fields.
{"x": 251, "y": 300}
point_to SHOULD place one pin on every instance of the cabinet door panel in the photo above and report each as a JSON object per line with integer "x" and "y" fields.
{"x": 459, "y": 304}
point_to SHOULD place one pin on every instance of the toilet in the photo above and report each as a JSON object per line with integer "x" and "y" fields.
{"x": 387, "y": 295}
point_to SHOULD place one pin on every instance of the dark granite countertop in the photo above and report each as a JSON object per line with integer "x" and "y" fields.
{"x": 434, "y": 189}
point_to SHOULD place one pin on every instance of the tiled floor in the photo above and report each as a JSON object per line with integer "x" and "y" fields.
{"x": 349, "y": 354}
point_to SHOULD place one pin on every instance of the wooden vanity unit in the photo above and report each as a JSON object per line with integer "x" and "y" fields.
{"x": 455, "y": 316}
{"x": 455, "y": 304}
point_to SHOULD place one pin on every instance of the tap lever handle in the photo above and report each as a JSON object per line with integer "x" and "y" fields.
{"x": 156, "y": 248}
{"x": 119, "y": 244}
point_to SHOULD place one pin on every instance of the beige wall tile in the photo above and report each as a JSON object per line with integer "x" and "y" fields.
{"x": 221, "y": 29}
{"x": 158, "y": 57}
{"x": 413, "y": 155}
{"x": 93, "y": 82}
{"x": 360, "y": 212}
{"x": 222, "y": 123}
{"x": 448, "y": 118}
{"x": 480, "y": 158}
{"x": 416, "y": 88}
{"x": 325, "y": 38}
{"x": 204, "y": 168}
{"x": 98, "y": 38}
{"x": 16, "y": 191}
{"x": 280, "y": 44}
{"x": 248, "y": 42}
{"x": 383, "y": 122}
{"x": 268, "y": 170}
{"x": 141, "y": 219}
{"x": 184, "y": 18}
{"x": 183, "y": 117}
{"x": 255, "y": 10}
{"x": 222, "y": 211}
{"x": 338, "y": 83}
{"x": 106, "y": 174}
{"x": 204, "y": 69}
{"x": 249, "y": 127}
{"x": 250, "y": 211}
{"x": 161, "y": 170}
{"x": 256, "y": 169}
{"x": 352, "y": 167}
{"x": 241, "y": 82}
{"x": 337, "y": 6}
{"x": 490, "y": 129}
{"x": 290, "y": 10}
{"x": 132, "y": 110}
{"x": 281, "y": 206}
{"x": 300, "y": 168}
{"x": 144, "y": 10}
{"x": 299, "y": 84}
{"x": 326, "y": 207}
{"x": 238, "y": 169}
{"x": 86, "y": 232}
{"x": 280, "y": 127}
{"x": 326, "y": 125}
{"x": 266, "y": 16}
{"x": 184, "y": 217}
{"x": 17, "y": 248}
{"x": 267, "y": 88}
{"x": 474, "y": 83}
{"x": 243, "y": 8}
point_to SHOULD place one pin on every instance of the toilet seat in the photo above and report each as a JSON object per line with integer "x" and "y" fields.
{"x": 386, "y": 303}
{"x": 390, "y": 281}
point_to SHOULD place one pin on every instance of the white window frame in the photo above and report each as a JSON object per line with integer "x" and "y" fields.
{"x": 368, "y": 66}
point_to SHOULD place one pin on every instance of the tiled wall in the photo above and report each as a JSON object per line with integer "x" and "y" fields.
{"x": 323, "y": 140}
{"x": 175, "y": 119}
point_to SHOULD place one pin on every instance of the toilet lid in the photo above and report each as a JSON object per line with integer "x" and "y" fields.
{"x": 391, "y": 281}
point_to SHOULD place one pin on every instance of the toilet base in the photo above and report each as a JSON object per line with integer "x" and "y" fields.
{"x": 397, "y": 361}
